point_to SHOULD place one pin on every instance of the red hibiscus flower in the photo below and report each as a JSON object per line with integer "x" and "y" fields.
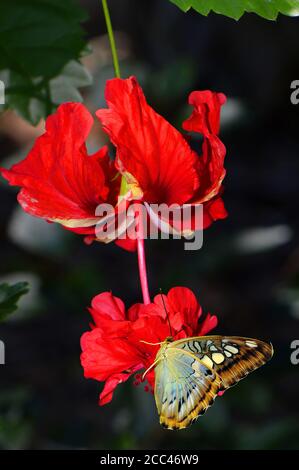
{"x": 154, "y": 162}
{"x": 114, "y": 349}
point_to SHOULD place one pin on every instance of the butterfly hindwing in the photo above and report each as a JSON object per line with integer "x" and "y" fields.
{"x": 231, "y": 357}
{"x": 184, "y": 388}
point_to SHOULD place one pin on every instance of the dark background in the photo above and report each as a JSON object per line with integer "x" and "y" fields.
{"x": 246, "y": 272}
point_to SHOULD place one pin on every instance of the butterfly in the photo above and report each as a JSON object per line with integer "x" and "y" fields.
{"x": 190, "y": 372}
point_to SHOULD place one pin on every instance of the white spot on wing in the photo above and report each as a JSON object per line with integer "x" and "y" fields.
{"x": 231, "y": 349}
{"x": 207, "y": 361}
{"x": 218, "y": 358}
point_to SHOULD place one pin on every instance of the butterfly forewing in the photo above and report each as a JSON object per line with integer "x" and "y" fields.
{"x": 184, "y": 388}
{"x": 231, "y": 357}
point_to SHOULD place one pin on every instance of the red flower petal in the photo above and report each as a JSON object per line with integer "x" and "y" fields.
{"x": 175, "y": 316}
{"x": 149, "y": 328}
{"x": 183, "y": 300}
{"x": 101, "y": 358}
{"x": 206, "y": 114}
{"x": 148, "y": 147}
{"x": 109, "y": 316}
{"x": 108, "y": 304}
{"x": 59, "y": 181}
{"x": 182, "y": 309}
{"x": 127, "y": 244}
{"x": 205, "y": 119}
{"x": 111, "y": 383}
{"x": 210, "y": 169}
{"x": 135, "y": 312}
{"x": 213, "y": 210}
{"x": 210, "y": 322}
{"x": 110, "y": 328}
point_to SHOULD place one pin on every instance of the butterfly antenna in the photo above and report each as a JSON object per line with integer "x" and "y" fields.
{"x": 151, "y": 344}
{"x": 150, "y": 367}
{"x": 167, "y": 315}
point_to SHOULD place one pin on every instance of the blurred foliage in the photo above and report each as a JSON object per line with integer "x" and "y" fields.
{"x": 41, "y": 42}
{"x": 236, "y": 8}
{"x": 15, "y": 425}
{"x": 9, "y": 296}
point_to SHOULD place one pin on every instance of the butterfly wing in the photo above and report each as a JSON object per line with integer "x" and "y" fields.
{"x": 184, "y": 388}
{"x": 231, "y": 357}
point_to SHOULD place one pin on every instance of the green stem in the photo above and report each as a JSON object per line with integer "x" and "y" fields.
{"x": 111, "y": 38}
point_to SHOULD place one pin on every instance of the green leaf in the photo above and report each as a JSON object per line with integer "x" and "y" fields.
{"x": 41, "y": 42}
{"x": 65, "y": 86}
{"x": 38, "y": 37}
{"x": 268, "y": 9}
{"x": 38, "y": 100}
{"x": 9, "y": 296}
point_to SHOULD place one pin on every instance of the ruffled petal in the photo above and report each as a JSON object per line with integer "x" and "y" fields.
{"x": 148, "y": 329}
{"x": 205, "y": 117}
{"x": 183, "y": 300}
{"x": 111, "y": 328}
{"x": 112, "y": 382}
{"x": 148, "y": 147}
{"x": 210, "y": 169}
{"x": 107, "y": 304}
{"x": 136, "y": 311}
{"x": 101, "y": 357}
{"x": 209, "y": 323}
{"x": 59, "y": 181}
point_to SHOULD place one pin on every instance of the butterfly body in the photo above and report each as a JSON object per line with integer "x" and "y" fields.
{"x": 189, "y": 373}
